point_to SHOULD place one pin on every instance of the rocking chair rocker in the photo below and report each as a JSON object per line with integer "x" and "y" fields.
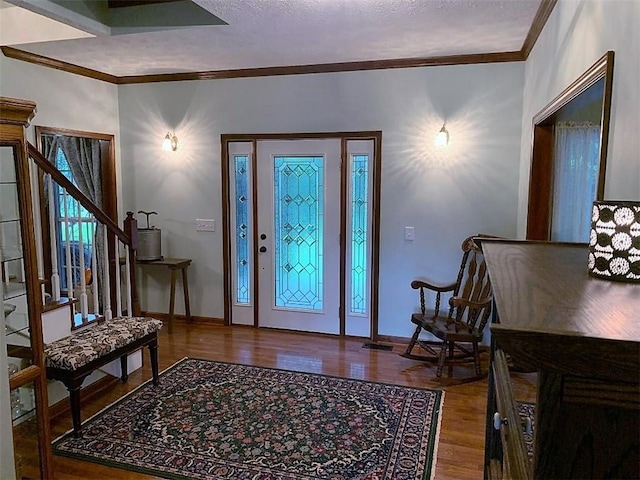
{"x": 459, "y": 333}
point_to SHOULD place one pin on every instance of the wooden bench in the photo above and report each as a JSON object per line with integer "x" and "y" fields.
{"x": 71, "y": 359}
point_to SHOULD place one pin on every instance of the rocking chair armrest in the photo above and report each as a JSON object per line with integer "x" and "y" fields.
{"x": 464, "y": 302}
{"x": 416, "y": 284}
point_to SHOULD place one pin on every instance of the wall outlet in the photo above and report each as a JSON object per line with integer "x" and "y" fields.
{"x": 409, "y": 233}
{"x": 205, "y": 225}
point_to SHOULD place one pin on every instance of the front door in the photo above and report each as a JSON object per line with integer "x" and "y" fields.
{"x": 292, "y": 268}
{"x": 298, "y": 204}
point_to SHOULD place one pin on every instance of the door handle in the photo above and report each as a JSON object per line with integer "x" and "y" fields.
{"x": 263, "y": 249}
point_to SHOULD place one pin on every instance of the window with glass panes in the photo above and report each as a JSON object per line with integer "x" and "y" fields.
{"x": 73, "y": 224}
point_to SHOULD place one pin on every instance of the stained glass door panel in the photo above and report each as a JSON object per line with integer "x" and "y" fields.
{"x": 298, "y": 225}
{"x": 359, "y": 213}
{"x": 242, "y": 259}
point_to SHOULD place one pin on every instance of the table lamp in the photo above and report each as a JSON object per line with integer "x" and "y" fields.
{"x": 614, "y": 241}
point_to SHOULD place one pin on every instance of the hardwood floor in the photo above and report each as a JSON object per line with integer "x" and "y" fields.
{"x": 461, "y": 447}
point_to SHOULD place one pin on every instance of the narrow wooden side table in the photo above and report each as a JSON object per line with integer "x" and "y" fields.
{"x": 174, "y": 264}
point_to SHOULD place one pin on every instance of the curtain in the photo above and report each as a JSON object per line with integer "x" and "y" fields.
{"x": 83, "y": 156}
{"x": 50, "y": 147}
{"x": 576, "y": 170}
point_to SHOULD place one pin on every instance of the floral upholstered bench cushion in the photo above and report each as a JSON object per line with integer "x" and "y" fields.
{"x": 78, "y": 349}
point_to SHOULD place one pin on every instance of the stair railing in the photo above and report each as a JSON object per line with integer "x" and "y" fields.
{"x": 90, "y": 248}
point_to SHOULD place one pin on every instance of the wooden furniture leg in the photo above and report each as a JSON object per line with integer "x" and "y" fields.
{"x": 172, "y": 299}
{"x": 73, "y": 378}
{"x": 124, "y": 368}
{"x": 185, "y": 288}
{"x": 73, "y": 386}
{"x": 175, "y": 264}
{"x": 153, "y": 354}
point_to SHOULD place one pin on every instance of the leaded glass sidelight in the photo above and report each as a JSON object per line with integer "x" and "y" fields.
{"x": 242, "y": 228}
{"x": 298, "y": 231}
{"x": 359, "y": 231}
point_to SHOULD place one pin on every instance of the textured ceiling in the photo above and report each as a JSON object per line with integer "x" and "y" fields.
{"x": 275, "y": 33}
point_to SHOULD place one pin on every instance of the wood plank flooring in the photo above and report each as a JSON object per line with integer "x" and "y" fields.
{"x": 461, "y": 447}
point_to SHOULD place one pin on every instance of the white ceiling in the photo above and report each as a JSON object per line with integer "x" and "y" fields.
{"x": 274, "y": 33}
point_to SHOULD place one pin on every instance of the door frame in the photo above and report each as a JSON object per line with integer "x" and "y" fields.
{"x": 540, "y": 200}
{"x": 254, "y": 138}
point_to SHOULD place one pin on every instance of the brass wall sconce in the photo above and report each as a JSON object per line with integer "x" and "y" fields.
{"x": 170, "y": 142}
{"x": 442, "y": 139}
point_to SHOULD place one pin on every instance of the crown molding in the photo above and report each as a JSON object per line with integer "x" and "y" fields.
{"x": 542, "y": 15}
{"x": 539, "y": 21}
{"x": 327, "y": 68}
{"x": 43, "y": 61}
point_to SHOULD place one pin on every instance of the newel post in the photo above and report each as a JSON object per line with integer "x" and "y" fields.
{"x": 131, "y": 229}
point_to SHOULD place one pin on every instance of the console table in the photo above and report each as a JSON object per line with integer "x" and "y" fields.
{"x": 174, "y": 264}
{"x": 582, "y": 335}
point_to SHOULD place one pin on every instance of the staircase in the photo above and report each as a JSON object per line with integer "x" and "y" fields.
{"x": 91, "y": 261}
{"x": 86, "y": 264}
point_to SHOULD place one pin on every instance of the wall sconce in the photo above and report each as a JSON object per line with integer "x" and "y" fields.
{"x": 614, "y": 242}
{"x": 170, "y": 142}
{"x": 442, "y": 139}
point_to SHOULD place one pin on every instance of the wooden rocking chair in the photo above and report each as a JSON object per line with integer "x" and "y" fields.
{"x": 459, "y": 332}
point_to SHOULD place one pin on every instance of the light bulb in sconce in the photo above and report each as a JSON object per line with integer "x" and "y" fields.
{"x": 170, "y": 142}
{"x": 442, "y": 139}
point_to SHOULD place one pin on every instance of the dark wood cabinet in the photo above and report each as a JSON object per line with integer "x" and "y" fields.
{"x": 582, "y": 337}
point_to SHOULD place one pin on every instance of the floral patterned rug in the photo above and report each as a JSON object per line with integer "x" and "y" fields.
{"x": 213, "y": 420}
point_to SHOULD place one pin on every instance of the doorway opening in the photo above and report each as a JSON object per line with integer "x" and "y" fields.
{"x": 569, "y": 157}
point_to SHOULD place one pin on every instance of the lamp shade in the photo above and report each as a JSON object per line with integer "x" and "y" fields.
{"x": 614, "y": 242}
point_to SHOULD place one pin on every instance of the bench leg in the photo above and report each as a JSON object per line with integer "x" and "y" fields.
{"x": 74, "y": 385}
{"x": 124, "y": 368}
{"x": 153, "y": 353}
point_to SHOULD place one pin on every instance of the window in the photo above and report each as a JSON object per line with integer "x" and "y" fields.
{"x": 79, "y": 229}
{"x": 242, "y": 253}
{"x": 575, "y": 180}
{"x": 359, "y": 214}
{"x": 75, "y": 224}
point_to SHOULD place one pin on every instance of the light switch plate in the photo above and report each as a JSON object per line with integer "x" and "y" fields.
{"x": 409, "y": 233}
{"x": 205, "y": 225}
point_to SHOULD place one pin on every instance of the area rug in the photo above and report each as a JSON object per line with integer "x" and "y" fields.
{"x": 214, "y": 420}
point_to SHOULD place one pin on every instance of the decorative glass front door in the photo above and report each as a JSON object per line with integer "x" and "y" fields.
{"x": 299, "y": 218}
{"x": 286, "y": 268}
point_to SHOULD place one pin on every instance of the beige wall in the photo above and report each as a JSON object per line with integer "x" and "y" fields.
{"x": 445, "y": 194}
{"x": 63, "y": 100}
{"x": 576, "y": 35}
{"x": 479, "y": 184}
